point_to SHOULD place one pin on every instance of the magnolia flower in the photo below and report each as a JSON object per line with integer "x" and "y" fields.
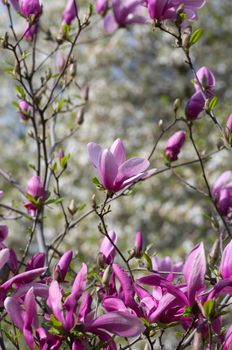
{"x": 222, "y": 193}
{"x": 166, "y": 267}
{"x": 24, "y": 106}
{"x": 196, "y": 103}
{"x": 61, "y": 268}
{"x": 167, "y": 9}
{"x": 101, "y": 7}
{"x": 30, "y": 31}
{"x": 70, "y": 12}
{"x": 174, "y": 145}
{"x": 228, "y": 341}
{"x": 15, "y": 4}
{"x": 107, "y": 251}
{"x": 124, "y": 13}
{"x": 31, "y": 7}
{"x": 225, "y": 268}
{"x": 36, "y": 190}
{"x": 114, "y": 170}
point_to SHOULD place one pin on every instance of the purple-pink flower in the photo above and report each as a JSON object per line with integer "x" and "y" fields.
{"x": 24, "y": 107}
{"x": 174, "y": 145}
{"x": 125, "y": 12}
{"x": 70, "y": 12}
{"x": 196, "y": 103}
{"x": 36, "y": 190}
{"x": 31, "y": 7}
{"x": 222, "y": 193}
{"x": 114, "y": 170}
{"x": 167, "y": 9}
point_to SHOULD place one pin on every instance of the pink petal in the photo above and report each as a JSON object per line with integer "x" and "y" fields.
{"x": 95, "y": 151}
{"x": 108, "y": 170}
{"x": 194, "y": 271}
{"x": 118, "y": 151}
{"x": 132, "y": 167}
{"x": 117, "y": 322}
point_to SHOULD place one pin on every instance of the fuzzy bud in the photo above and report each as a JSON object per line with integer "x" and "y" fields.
{"x": 174, "y": 145}
{"x": 106, "y": 276}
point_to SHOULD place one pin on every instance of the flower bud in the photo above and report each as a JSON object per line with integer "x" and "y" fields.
{"x": 61, "y": 268}
{"x": 214, "y": 252}
{"x": 206, "y": 78}
{"x": 60, "y": 62}
{"x": 195, "y": 106}
{"x": 70, "y": 12}
{"x": 72, "y": 208}
{"x": 174, "y": 144}
{"x": 24, "y": 107}
{"x": 102, "y": 7}
{"x": 30, "y": 31}
{"x": 186, "y": 37}
{"x": 31, "y": 8}
{"x": 36, "y": 190}
{"x": 80, "y": 116}
{"x": 106, "y": 276}
{"x": 138, "y": 244}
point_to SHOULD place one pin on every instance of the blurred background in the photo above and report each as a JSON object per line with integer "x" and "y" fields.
{"x": 134, "y": 77}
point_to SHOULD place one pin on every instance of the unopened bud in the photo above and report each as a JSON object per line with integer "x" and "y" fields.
{"x": 94, "y": 203}
{"x": 72, "y": 208}
{"x": 85, "y": 91}
{"x": 176, "y": 105}
{"x": 161, "y": 124}
{"x": 214, "y": 252}
{"x": 186, "y": 37}
{"x": 106, "y": 276}
{"x": 80, "y": 116}
{"x": 198, "y": 343}
{"x": 101, "y": 260}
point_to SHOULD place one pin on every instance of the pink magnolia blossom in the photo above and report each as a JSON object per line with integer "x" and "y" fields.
{"x": 196, "y": 103}
{"x": 225, "y": 268}
{"x": 167, "y": 9}
{"x": 114, "y": 170}
{"x": 107, "y": 250}
{"x": 222, "y": 193}
{"x": 194, "y": 271}
{"x": 31, "y": 7}
{"x": 174, "y": 145}
{"x": 70, "y": 12}
{"x": 30, "y": 31}
{"x": 101, "y": 7}
{"x": 125, "y": 12}
{"x": 61, "y": 268}
{"x": 24, "y": 107}
{"x": 37, "y": 191}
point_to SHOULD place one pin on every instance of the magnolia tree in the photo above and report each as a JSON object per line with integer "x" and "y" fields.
{"x": 130, "y": 300}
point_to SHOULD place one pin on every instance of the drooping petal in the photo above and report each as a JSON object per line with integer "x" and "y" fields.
{"x": 30, "y": 318}
{"x": 35, "y": 262}
{"x": 132, "y": 167}
{"x": 61, "y": 268}
{"x": 13, "y": 308}
{"x": 117, "y": 322}
{"x": 126, "y": 284}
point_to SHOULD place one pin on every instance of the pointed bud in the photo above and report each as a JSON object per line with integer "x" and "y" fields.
{"x": 24, "y": 107}
{"x": 138, "y": 244}
{"x": 174, "y": 145}
{"x": 106, "y": 276}
{"x": 72, "y": 208}
{"x": 186, "y": 37}
{"x": 214, "y": 252}
{"x": 229, "y": 123}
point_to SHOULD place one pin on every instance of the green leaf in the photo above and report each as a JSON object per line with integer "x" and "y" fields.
{"x": 213, "y": 103}
{"x": 64, "y": 161}
{"x": 187, "y": 311}
{"x": 209, "y": 308}
{"x": 20, "y": 91}
{"x": 196, "y": 35}
{"x": 15, "y": 104}
{"x": 148, "y": 261}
